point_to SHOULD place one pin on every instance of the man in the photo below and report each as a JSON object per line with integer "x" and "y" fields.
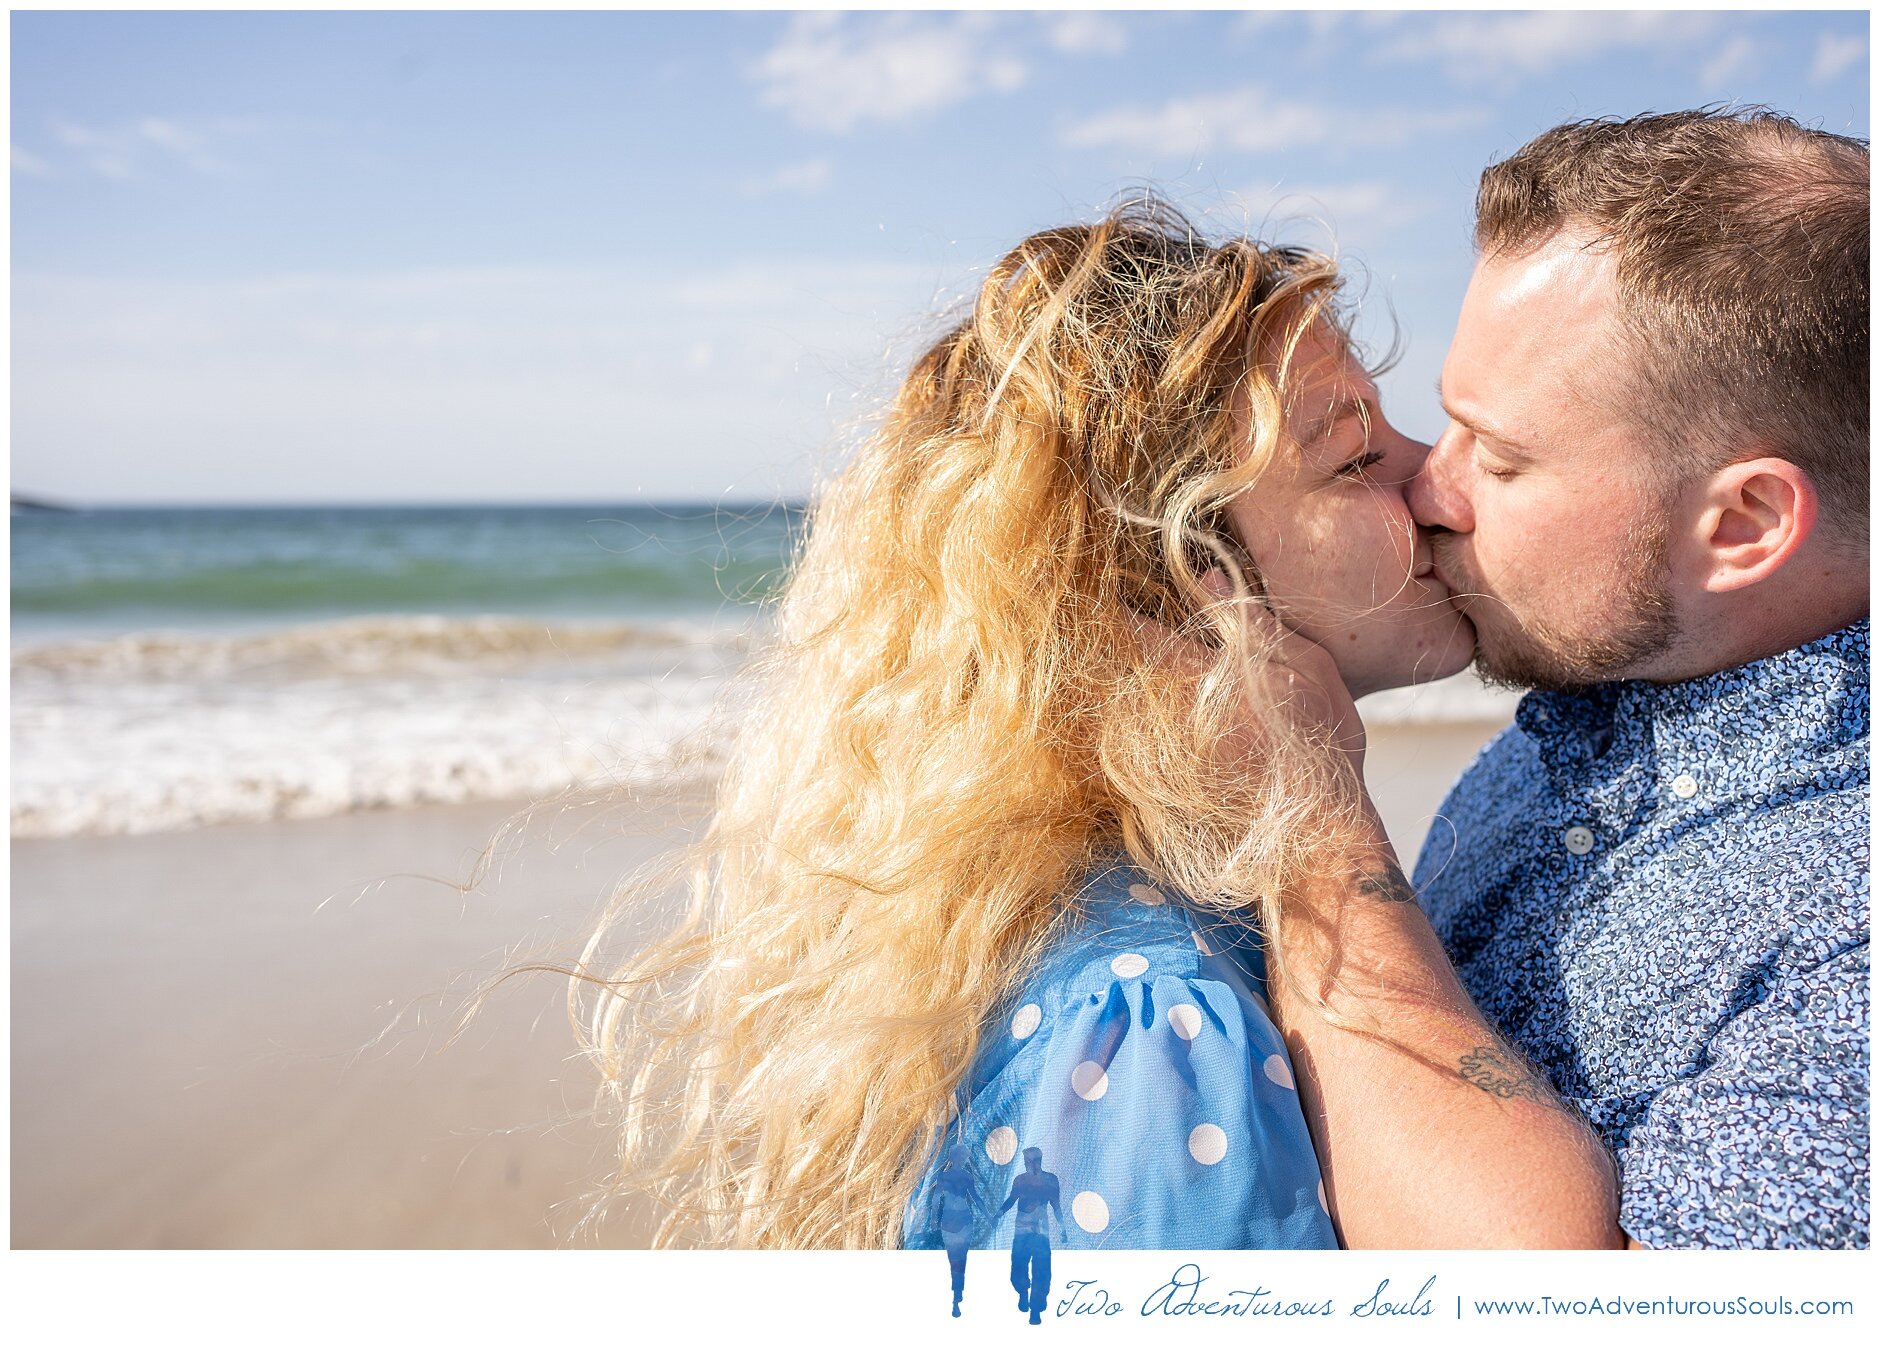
{"x": 1034, "y": 1191}
{"x": 1653, "y": 497}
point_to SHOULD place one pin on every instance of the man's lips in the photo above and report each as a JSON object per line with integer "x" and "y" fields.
{"x": 1432, "y": 568}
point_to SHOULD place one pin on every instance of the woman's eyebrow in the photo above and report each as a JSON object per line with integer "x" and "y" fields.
{"x": 1337, "y": 412}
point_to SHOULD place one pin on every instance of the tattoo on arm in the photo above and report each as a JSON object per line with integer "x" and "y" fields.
{"x": 1505, "y": 1075}
{"x": 1495, "y": 1067}
{"x": 1386, "y": 882}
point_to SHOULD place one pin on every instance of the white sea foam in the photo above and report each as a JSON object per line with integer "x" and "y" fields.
{"x": 377, "y": 645}
{"x": 148, "y": 732}
{"x": 162, "y": 730}
{"x": 1459, "y": 699}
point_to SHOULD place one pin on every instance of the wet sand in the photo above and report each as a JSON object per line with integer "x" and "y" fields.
{"x": 237, "y": 1036}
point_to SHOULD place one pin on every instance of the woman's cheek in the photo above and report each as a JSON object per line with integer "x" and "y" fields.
{"x": 1397, "y": 530}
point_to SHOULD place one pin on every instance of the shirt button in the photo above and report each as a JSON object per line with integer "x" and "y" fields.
{"x": 1579, "y": 840}
{"x": 1684, "y": 786}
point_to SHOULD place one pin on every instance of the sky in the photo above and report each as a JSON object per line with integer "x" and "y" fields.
{"x": 464, "y": 257}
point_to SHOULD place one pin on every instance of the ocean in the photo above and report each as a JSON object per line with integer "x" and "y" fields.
{"x": 181, "y": 667}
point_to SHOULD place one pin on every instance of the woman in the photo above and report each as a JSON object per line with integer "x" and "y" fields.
{"x": 967, "y": 766}
{"x": 954, "y": 1213}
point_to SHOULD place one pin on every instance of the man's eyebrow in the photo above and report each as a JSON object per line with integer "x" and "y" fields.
{"x": 1476, "y": 423}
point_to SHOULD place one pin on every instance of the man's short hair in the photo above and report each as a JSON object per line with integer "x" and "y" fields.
{"x": 1740, "y": 245}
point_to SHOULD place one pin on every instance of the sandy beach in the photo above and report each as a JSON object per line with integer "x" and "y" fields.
{"x": 236, "y": 1036}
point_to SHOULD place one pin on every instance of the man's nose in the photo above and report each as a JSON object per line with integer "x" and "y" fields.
{"x": 1437, "y": 495}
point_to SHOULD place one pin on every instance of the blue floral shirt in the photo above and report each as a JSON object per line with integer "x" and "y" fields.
{"x": 1659, "y": 892}
{"x": 1141, "y": 1060}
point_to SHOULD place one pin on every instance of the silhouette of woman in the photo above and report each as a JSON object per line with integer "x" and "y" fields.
{"x": 956, "y": 1210}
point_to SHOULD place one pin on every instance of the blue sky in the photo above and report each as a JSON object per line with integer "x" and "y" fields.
{"x": 351, "y": 257}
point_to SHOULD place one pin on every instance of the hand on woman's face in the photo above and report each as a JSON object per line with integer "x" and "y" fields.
{"x": 1332, "y": 537}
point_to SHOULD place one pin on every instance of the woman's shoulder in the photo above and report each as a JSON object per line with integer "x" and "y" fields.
{"x": 1133, "y": 954}
{"x": 1121, "y": 923}
{"x": 1140, "y": 1059}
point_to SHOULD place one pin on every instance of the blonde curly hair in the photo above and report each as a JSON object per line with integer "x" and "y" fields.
{"x": 958, "y": 717}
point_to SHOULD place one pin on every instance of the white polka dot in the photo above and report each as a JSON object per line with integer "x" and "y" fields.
{"x": 1207, "y": 1144}
{"x": 1091, "y": 1213}
{"x": 1185, "y": 1020}
{"x": 1322, "y": 1204}
{"x": 1129, "y": 965}
{"x": 1026, "y": 1021}
{"x": 1002, "y": 1145}
{"x": 1148, "y": 896}
{"x": 1200, "y": 943}
{"x": 1089, "y": 1080}
{"x": 1277, "y": 1072}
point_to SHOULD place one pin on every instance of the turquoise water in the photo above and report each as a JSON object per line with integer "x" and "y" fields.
{"x": 104, "y": 571}
{"x": 181, "y": 667}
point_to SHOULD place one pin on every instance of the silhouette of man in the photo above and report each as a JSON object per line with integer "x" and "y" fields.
{"x": 1034, "y": 1192}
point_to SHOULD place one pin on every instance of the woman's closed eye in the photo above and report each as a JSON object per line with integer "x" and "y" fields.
{"x": 1356, "y": 467}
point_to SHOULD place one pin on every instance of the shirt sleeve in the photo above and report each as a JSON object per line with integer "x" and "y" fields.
{"x": 1166, "y": 1107}
{"x": 1768, "y": 1145}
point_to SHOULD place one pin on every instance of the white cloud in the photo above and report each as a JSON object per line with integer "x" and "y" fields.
{"x": 1356, "y": 213}
{"x": 832, "y": 71}
{"x": 803, "y": 177}
{"x": 1085, "y": 33}
{"x": 1733, "y": 60}
{"x": 1255, "y": 21}
{"x": 150, "y": 144}
{"x": 1328, "y": 30}
{"x": 1834, "y": 54}
{"x": 1500, "y": 49}
{"x": 185, "y": 145}
{"x": 1253, "y": 118}
{"x": 26, "y": 163}
{"x": 102, "y": 153}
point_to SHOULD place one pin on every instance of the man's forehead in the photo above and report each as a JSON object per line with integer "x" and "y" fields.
{"x": 1566, "y": 273}
{"x": 1535, "y": 320}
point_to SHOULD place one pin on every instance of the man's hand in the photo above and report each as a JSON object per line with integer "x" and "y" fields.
{"x": 1297, "y": 682}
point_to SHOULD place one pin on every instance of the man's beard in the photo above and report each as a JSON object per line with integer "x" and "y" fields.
{"x": 1640, "y": 622}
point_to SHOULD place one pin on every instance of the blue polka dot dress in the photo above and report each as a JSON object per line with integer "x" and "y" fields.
{"x": 1140, "y": 1058}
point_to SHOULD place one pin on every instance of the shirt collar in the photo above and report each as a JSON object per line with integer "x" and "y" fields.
{"x": 1743, "y": 726}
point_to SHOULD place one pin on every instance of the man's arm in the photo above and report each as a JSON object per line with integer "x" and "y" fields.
{"x": 1432, "y": 1131}
{"x": 1766, "y": 1144}
{"x": 1010, "y": 1200}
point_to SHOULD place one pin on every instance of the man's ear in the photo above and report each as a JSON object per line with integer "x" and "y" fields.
{"x": 1755, "y": 515}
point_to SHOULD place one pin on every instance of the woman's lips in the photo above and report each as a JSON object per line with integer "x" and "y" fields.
{"x": 1432, "y": 564}
{"x": 1432, "y": 575}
